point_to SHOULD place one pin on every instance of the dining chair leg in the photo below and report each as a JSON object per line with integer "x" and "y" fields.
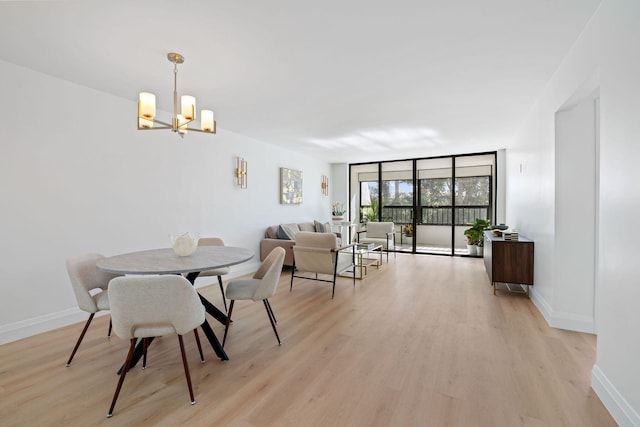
{"x": 122, "y": 375}
{"x": 145, "y": 343}
{"x": 271, "y": 311}
{"x": 110, "y": 327}
{"x": 195, "y": 332}
{"x": 84, "y": 331}
{"x": 226, "y": 328}
{"x": 271, "y": 319}
{"x": 186, "y": 369}
{"x": 224, "y": 300}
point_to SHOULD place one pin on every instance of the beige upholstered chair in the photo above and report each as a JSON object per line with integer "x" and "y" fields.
{"x": 215, "y": 241}
{"x": 153, "y": 306}
{"x": 262, "y": 286}
{"x": 319, "y": 253}
{"x": 89, "y": 285}
{"x": 379, "y": 233}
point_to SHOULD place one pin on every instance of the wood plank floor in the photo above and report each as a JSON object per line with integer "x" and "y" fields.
{"x": 420, "y": 342}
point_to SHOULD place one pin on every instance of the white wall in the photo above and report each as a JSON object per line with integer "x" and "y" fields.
{"x": 531, "y": 184}
{"x": 619, "y": 292}
{"x": 76, "y": 176}
{"x": 609, "y": 44}
{"x": 575, "y": 213}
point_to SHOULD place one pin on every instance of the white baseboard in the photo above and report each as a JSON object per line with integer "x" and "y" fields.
{"x": 37, "y": 325}
{"x": 615, "y": 403}
{"x": 48, "y": 322}
{"x": 562, "y": 320}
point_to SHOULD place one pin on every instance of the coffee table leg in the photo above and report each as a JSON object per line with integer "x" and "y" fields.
{"x": 217, "y": 347}
{"x": 206, "y": 328}
{"x": 213, "y": 310}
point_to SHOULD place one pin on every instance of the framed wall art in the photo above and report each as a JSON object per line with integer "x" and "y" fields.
{"x": 290, "y": 186}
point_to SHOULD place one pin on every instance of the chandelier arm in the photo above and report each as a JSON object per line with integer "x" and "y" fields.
{"x": 165, "y": 125}
{"x": 159, "y": 122}
{"x": 155, "y": 128}
{"x": 199, "y": 130}
{"x": 183, "y": 124}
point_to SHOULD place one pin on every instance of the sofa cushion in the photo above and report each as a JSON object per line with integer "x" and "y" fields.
{"x": 306, "y": 226}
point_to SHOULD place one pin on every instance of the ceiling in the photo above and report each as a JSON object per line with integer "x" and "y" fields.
{"x": 344, "y": 81}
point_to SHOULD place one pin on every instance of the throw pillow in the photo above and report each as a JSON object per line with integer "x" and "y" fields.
{"x": 286, "y": 233}
{"x": 281, "y": 233}
{"x": 322, "y": 228}
{"x": 291, "y": 232}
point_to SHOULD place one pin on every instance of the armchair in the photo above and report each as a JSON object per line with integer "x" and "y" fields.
{"x": 379, "y": 233}
{"x": 319, "y": 253}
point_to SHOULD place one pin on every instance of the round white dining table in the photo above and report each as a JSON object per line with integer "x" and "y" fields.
{"x": 165, "y": 261}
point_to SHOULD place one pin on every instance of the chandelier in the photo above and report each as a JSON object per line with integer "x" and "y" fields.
{"x": 181, "y": 118}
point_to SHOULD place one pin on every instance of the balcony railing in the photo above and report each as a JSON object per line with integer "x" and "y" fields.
{"x": 397, "y": 214}
{"x": 435, "y": 215}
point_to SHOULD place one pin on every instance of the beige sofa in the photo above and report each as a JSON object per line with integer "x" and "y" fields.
{"x": 271, "y": 240}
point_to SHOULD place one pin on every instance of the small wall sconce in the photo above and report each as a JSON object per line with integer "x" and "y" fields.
{"x": 241, "y": 172}
{"x": 325, "y": 185}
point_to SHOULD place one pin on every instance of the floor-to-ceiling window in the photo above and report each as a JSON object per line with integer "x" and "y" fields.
{"x": 474, "y": 194}
{"x": 430, "y": 200}
{"x": 435, "y": 205}
{"x": 397, "y": 199}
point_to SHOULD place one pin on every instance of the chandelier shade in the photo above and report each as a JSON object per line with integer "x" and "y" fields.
{"x": 181, "y": 118}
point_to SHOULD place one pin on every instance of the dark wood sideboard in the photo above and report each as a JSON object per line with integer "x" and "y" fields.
{"x": 509, "y": 262}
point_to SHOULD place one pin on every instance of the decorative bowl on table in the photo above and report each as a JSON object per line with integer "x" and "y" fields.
{"x": 184, "y": 244}
{"x": 500, "y": 227}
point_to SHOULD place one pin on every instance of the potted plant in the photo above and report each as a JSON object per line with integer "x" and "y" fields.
{"x": 370, "y": 213}
{"x": 338, "y": 211}
{"x": 475, "y": 235}
{"x": 407, "y": 232}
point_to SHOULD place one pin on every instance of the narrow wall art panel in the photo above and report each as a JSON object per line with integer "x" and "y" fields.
{"x": 290, "y": 186}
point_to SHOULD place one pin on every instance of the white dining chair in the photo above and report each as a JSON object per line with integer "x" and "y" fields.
{"x": 219, "y": 272}
{"x": 89, "y": 285}
{"x": 261, "y": 287}
{"x": 153, "y": 306}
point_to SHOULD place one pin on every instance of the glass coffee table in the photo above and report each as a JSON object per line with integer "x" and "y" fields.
{"x": 365, "y": 257}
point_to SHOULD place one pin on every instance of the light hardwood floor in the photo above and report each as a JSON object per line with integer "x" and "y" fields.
{"x": 421, "y": 342}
